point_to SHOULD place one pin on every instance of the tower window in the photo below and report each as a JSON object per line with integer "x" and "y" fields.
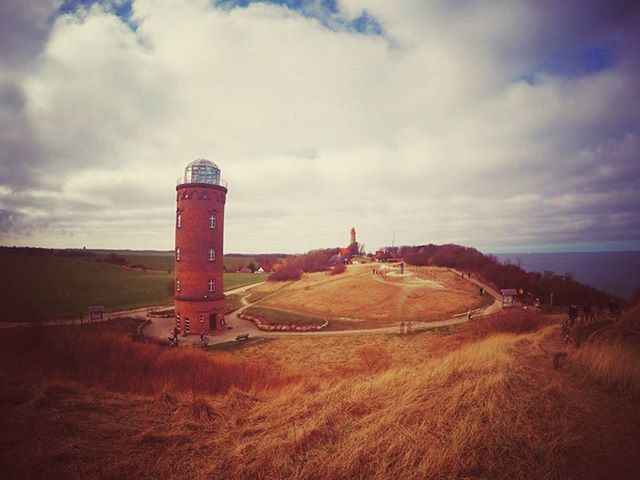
{"x": 212, "y": 221}
{"x": 178, "y": 254}
{"x": 212, "y": 286}
{"x": 201, "y": 318}
{"x": 179, "y": 220}
{"x": 212, "y": 254}
{"x": 177, "y": 285}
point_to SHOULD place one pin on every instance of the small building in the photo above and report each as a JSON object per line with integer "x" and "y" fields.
{"x": 245, "y": 270}
{"x": 96, "y": 313}
{"x": 508, "y": 297}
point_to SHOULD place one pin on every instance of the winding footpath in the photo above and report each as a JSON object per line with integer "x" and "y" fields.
{"x": 160, "y": 328}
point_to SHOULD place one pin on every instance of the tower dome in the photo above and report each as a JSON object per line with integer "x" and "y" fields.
{"x": 202, "y": 171}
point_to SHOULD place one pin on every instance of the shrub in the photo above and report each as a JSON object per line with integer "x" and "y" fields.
{"x": 285, "y": 274}
{"x": 374, "y": 358}
{"x": 339, "y": 268}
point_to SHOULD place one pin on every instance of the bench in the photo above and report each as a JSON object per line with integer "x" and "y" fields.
{"x": 242, "y": 337}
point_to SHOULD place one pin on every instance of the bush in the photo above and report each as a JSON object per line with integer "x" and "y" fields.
{"x": 339, "y": 268}
{"x": 374, "y": 358}
{"x": 285, "y": 274}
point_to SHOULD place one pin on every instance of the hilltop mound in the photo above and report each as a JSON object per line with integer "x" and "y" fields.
{"x": 359, "y": 299}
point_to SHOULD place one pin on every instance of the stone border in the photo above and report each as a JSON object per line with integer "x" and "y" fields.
{"x": 154, "y": 314}
{"x": 269, "y": 327}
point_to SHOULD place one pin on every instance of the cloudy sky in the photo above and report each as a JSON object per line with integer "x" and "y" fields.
{"x": 507, "y": 126}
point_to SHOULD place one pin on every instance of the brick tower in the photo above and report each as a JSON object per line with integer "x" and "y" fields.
{"x": 352, "y": 238}
{"x": 199, "y": 297}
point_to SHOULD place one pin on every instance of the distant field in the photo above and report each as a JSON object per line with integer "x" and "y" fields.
{"x": 155, "y": 261}
{"x": 357, "y": 299}
{"x": 236, "y": 280}
{"x": 41, "y": 287}
{"x": 165, "y": 260}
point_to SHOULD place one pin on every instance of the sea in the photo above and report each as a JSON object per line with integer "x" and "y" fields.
{"x": 613, "y": 272}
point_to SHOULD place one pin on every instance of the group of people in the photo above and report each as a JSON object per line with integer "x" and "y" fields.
{"x": 174, "y": 338}
{"x": 584, "y": 315}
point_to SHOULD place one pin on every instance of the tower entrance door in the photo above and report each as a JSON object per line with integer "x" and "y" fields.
{"x": 212, "y": 321}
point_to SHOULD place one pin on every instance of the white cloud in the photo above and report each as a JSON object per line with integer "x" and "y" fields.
{"x": 425, "y": 130}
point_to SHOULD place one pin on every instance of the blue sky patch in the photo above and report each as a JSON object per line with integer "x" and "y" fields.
{"x": 326, "y": 11}
{"x": 122, "y": 9}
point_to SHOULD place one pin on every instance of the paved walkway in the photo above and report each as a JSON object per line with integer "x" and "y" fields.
{"x": 161, "y": 328}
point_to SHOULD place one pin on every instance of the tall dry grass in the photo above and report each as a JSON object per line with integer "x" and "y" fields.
{"x": 509, "y": 321}
{"x": 613, "y": 362}
{"x": 490, "y": 408}
{"x": 118, "y": 363}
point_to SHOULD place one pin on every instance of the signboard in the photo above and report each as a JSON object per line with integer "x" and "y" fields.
{"x": 96, "y": 313}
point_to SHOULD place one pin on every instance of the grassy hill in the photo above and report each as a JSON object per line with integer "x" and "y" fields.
{"x": 41, "y": 287}
{"x": 478, "y": 402}
{"x": 357, "y": 299}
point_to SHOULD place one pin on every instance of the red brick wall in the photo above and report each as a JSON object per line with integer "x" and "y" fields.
{"x": 195, "y": 204}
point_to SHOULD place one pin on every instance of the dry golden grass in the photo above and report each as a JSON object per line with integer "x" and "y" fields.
{"x": 613, "y": 358}
{"x": 375, "y": 407}
{"x": 357, "y": 299}
{"x": 118, "y": 363}
{"x": 615, "y": 364}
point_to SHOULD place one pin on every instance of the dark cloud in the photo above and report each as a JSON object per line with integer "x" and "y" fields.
{"x": 24, "y": 28}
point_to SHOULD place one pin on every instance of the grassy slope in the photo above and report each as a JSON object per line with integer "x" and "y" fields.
{"x": 357, "y": 299}
{"x": 43, "y": 287}
{"x": 235, "y": 280}
{"x": 451, "y": 406}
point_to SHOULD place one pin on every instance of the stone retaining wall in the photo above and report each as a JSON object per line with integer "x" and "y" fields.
{"x": 261, "y": 324}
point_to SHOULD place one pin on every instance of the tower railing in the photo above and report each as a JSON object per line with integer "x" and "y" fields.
{"x": 221, "y": 183}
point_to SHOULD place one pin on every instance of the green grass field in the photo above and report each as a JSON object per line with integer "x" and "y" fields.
{"x": 152, "y": 260}
{"x": 165, "y": 260}
{"x": 237, "y": 280}
{"x": 43, "y": 287}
